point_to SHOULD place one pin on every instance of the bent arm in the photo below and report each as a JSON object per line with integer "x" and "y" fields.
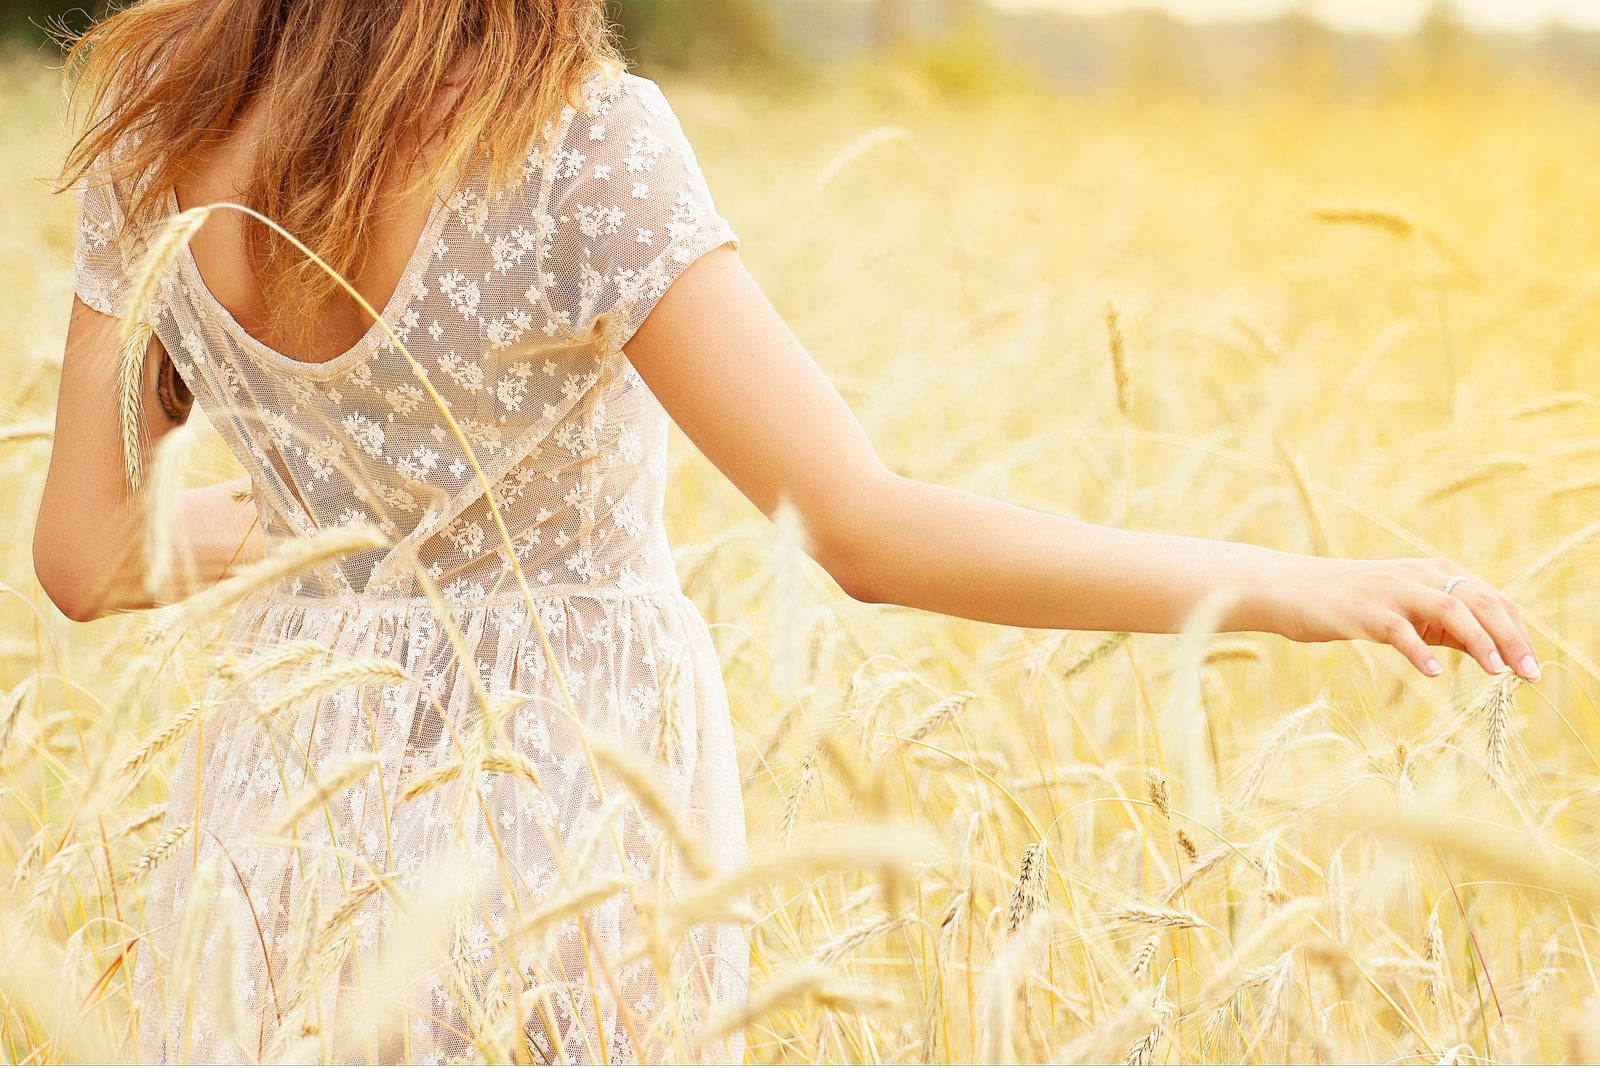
{"x": 734, "y": 377}
{"x": 88, "y": 545}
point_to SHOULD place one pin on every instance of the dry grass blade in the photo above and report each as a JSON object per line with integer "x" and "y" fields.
{"x": 1320, "y": 544}
{"x": 327, "y": 785}
{"x": 137, "y": 823}
{"x": 137, "y": 331}
{"x": 223, "y": 974}
{"x": 669, "y": 725}
{"x": 158, "y": 256}
{"x": 1160, "y": 794}
{"x": 1555, "y": 402}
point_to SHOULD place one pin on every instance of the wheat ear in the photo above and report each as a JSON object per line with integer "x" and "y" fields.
{"x": 137, "y": 331}
{"x": 324, "y": 787}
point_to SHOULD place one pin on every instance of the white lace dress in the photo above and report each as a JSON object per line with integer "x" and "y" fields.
{"x": 303, "y": 950}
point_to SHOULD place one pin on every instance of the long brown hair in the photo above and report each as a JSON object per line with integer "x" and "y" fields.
{"x": 162, "y": 80}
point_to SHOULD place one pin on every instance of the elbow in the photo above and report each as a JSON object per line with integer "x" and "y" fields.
{"x": 853, "y": 574}
{"x": 846, "y": 544}
{"x": 69, "y": 585}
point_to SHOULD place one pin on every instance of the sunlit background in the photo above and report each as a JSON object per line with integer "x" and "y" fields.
{"x": 1349, "y": 250}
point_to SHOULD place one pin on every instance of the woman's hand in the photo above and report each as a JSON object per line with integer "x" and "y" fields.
{"x": 1402, "y": 603}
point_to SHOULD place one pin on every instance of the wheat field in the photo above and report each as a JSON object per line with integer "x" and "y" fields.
{"x": 1364, "y": 328}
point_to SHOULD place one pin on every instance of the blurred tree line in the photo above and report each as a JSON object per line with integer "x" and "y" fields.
{"x": 661, "y": 33}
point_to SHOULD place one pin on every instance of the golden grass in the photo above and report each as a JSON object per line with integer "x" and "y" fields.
{"x": 971, "y": 841}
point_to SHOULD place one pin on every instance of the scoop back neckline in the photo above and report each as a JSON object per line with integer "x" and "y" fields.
{"x": 364, "y": 346}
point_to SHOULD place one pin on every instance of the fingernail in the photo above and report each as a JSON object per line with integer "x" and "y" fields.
{"x": 1530, "y": 668}
{"x": 1496, "y": 665}
{"x": 1432, "y": 667}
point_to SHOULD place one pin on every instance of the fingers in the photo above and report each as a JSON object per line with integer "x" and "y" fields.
{"x": 1400, "y": 632}
{"x": 1521, "y": 655}
{"x": 1480, "y": 621}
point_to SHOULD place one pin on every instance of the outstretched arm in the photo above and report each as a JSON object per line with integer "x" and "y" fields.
{"x": 733, "y": 376}
{"x": 88, "y": 545}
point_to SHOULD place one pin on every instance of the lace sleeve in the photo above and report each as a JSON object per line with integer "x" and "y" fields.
{"x": 99, "y": 271}
{"x": 629, "y": 210}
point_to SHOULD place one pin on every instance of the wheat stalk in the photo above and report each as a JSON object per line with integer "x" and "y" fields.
{"x": 17, "y": 432}
{"x": 192, "y": 933}
{"x": 1119, "y": 358}
{"x": 1143, "y": 957}
{"x": 1157, "y": 916}
{"x": 325, "y": 786}
{"x": 295, "y": 555}
{"x": 1160, "y": 794}
{"x": 1392, "y": 221}
{"x": 1202, "y": 866}
{"x": 1093, "y": 653}
{"x": 130, "y": 400}
{"x": 640, "y": 781}
{"x": 158, "y": 851}
{"x": 1491, "y": 468}
{"x": 1165, "y": 1013}
{"x": 1028, "y": 893}
{"x": 134, "y": 764}
{"x": 137, "y": 331}
{"x": 375, "y": 671}
{"x": 1266, "y": 759}
{"x": 857, "y": 937}
{"x": 277, "y": 658}
{"x": 1433, "y": 952}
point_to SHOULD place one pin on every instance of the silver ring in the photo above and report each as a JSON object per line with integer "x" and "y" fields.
{"x": 1448, "y": 586}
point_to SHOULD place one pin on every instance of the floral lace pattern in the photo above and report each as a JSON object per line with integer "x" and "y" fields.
{"x": 517, "y": 304}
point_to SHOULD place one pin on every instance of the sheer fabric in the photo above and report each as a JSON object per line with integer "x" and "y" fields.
{"x": 517, "y": 304}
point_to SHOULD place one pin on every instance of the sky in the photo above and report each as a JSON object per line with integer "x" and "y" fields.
{"x": 1394, "y": 17}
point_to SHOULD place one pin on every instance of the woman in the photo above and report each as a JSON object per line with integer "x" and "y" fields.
{"x": 554, "y": 282}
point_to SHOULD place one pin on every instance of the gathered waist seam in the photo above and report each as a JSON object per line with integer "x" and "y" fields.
{"x": 496, "y": 600}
